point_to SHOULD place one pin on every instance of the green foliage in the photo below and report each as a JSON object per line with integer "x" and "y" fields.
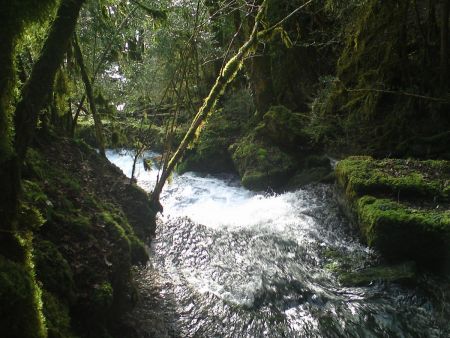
{"x": 210, "y": 151}
{"x": 102, "y": 297}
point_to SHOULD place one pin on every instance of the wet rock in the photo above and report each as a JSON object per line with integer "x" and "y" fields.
{"x": 315, "y": 169}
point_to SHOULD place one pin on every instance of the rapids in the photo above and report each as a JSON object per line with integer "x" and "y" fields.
{"x": 227, "y": 262}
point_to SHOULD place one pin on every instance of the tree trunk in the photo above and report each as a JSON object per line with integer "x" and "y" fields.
{"x": 261, "y": 82}
{"x": 77, "y": 115}
{"x": 90, "y": 96}
{"x": 224, "y": 78}
{"x": 444, "y": 43}
{"x": 33, "y": 97}
{"x": 8, "y": 180}
{"x": 40, "y": 84}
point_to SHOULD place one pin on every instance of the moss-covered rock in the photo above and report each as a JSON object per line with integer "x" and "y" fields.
{"x": 284, "y": 127}
{"x": 260, "y": 165}
{"x": 401, "y": 206}
{"x": 400, "y": 273}
{"x": 94, "y": 227}
{"x": 404, "y": 232}
{"x": 395, "y": 178}
{"x": 57, "y": 317}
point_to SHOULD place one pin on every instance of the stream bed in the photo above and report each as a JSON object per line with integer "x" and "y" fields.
{"x": 227, "y": 262}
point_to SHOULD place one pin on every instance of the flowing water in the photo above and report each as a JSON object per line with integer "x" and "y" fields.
{"x": 227, "y": 262}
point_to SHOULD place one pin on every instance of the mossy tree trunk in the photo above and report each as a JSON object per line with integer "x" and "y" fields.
{"x": 8, "y": 180}
{"x": 90, "y": 96}
{"x": 226, "y": 75}
{"x": 33, "y": 96}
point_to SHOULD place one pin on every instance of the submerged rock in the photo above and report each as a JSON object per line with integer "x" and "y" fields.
{"x": 400, "y": 206}
{"x": 401, "y": 273}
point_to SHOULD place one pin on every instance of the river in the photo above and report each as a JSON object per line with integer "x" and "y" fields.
{"x": 227, "y": 262}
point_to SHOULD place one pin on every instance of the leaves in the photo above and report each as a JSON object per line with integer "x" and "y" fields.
{"x": 155, "y": 14}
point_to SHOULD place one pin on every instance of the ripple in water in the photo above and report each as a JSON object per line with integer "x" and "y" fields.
{"x": 234, "y": 263}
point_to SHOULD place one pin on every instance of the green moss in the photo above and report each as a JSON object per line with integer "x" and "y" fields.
{"x": 400, "y": 231}
{"x": 259, "y": 165}
{"x": 20, "y": 296}
{"x": 400, "y": 206}
{"x": 124, "y": 234}
{"x": 57, "y": 316}
{"x": 29, "y": 218}
{"x": 102, "y": 297}
{"x": 53, "y": 270}
{"x": 283, "y": 127}
{"x": 400, "y": 179}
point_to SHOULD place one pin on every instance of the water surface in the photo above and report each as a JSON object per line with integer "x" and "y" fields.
{"x": 228, "y": 262}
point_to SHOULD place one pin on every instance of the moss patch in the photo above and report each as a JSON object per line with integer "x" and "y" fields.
{"x": 20, "y": 295}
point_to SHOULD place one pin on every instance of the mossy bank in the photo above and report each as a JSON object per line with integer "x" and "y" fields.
{"x": 82, "y": 227}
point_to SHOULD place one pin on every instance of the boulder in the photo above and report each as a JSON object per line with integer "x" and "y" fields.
{"x": 401, "y": 207}
{"x": 260, "y": 165}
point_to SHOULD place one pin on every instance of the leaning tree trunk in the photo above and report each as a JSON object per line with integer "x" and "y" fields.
{"x": 226, "y": 75}
{"x": 90, "y": 96}
{"x": 33, "y": 97}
